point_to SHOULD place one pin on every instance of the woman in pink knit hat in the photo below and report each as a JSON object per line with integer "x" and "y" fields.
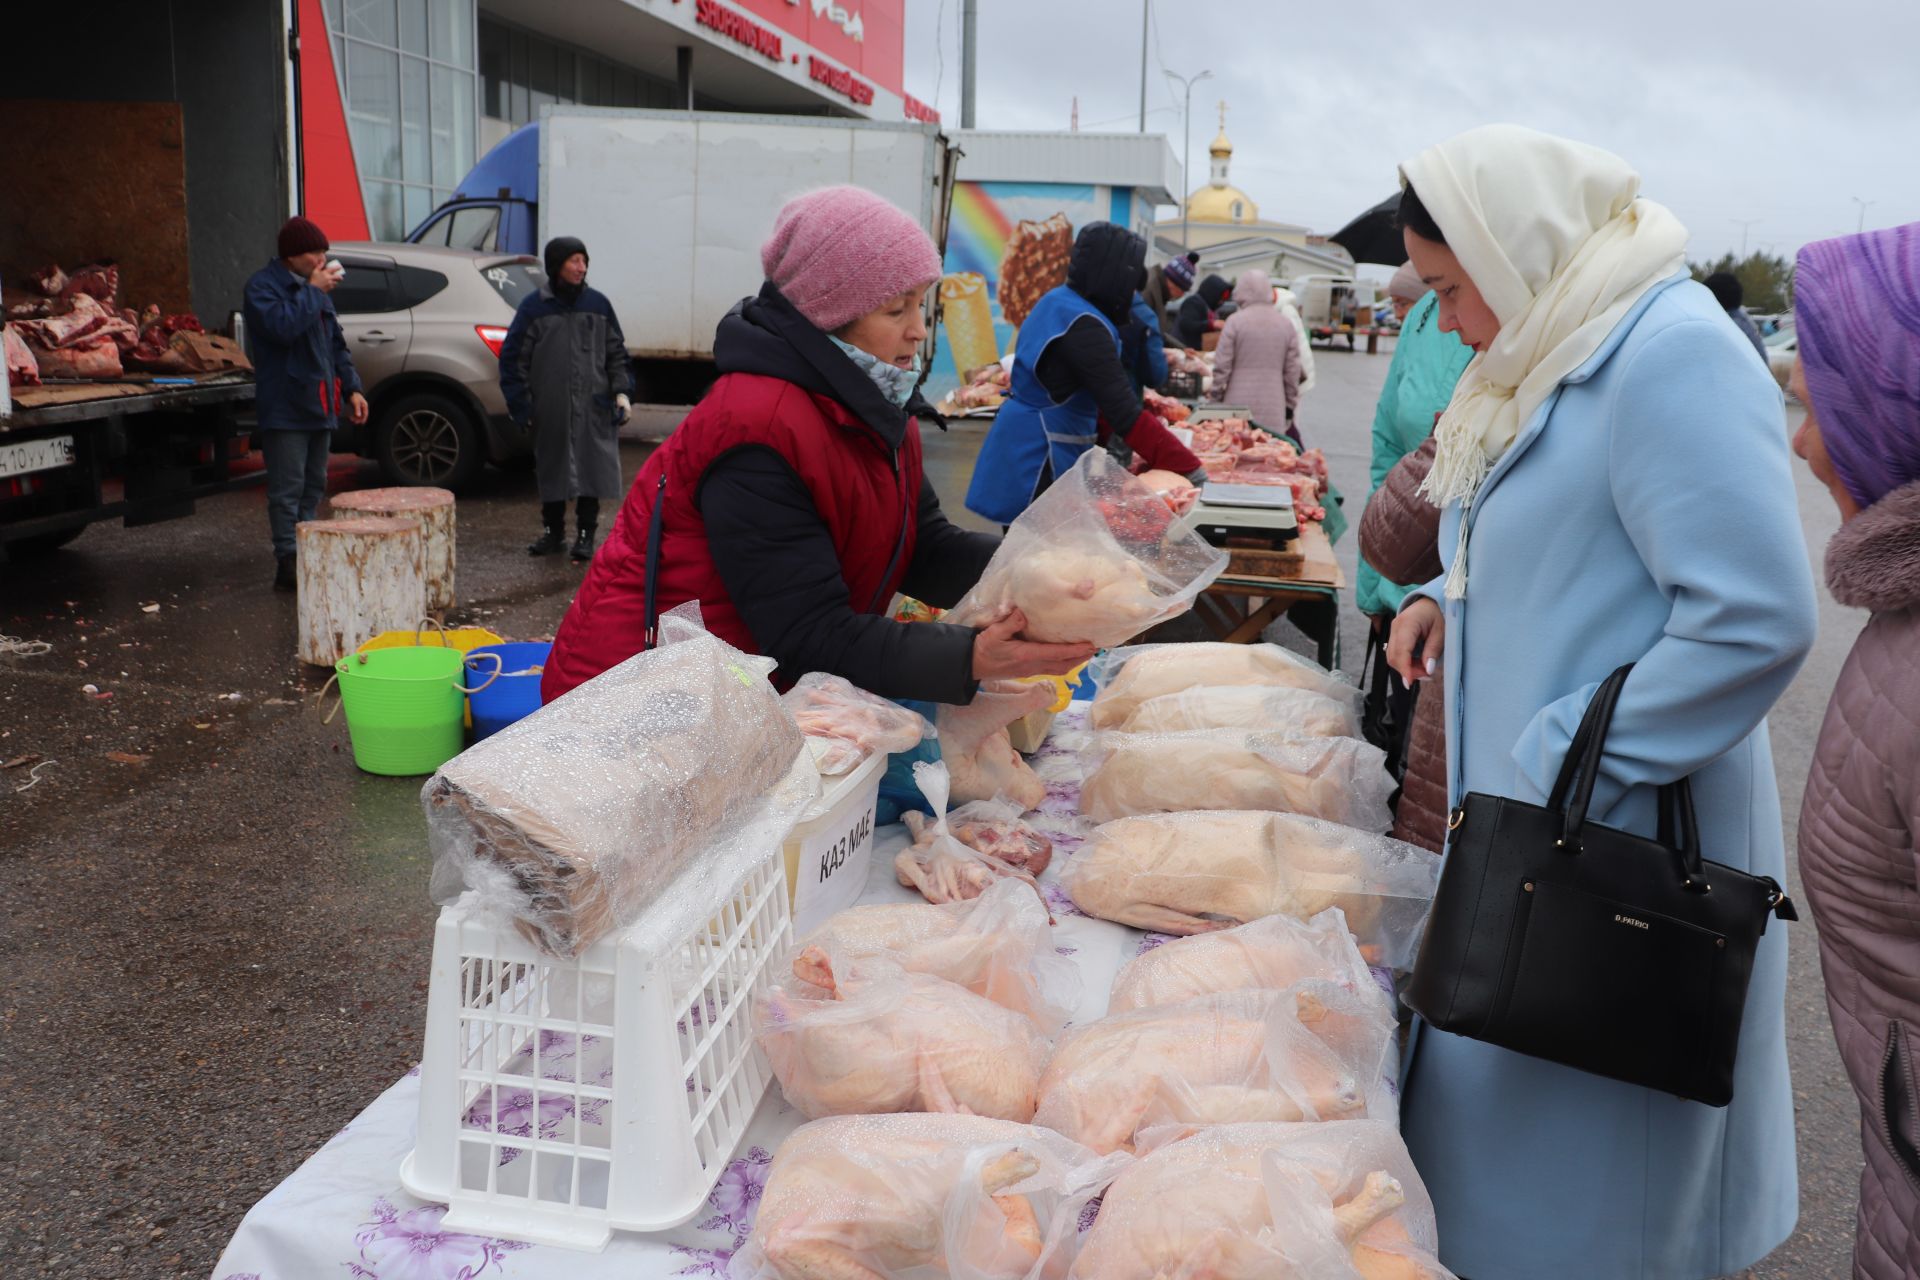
{"x": 791, "y": 503}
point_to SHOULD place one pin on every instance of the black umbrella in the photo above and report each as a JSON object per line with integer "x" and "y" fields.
{"x": 1374, "y": 236}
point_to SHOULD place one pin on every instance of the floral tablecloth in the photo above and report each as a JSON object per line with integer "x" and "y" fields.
{"x": 342, "y": 1213}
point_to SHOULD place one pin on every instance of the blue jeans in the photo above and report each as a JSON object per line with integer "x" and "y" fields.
{"x": 296, "y": 480}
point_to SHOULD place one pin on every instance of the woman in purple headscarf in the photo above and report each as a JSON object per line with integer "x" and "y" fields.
{"x": 1857, "y": 306}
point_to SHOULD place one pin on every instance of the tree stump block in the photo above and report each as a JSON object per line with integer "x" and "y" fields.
{"x": 357, "y": 579}
{"x": 433, "y": 508}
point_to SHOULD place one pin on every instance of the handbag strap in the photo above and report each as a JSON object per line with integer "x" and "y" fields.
{"x": 1680, "y": 832}
{"x": 1573, "y": 789}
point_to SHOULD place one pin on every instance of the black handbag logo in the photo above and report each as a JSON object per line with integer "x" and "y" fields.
{"x": 1604, "y": 951}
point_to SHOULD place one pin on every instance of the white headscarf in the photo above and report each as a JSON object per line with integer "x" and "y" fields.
{"x": 1555, "y": 238}
{"x": 1407, "y": 285}
{"x": 1254, "y": 288}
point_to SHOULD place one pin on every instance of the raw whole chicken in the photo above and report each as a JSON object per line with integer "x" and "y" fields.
{"x": 882, "y": 1039}
{"x": 998, "y": 945}
{"x": 1268, "y": 1202}
{"x": 1311, "y": 1052}
{"x": 992, "y": 828}
{"x": 977, "y": 751}
{"x": 845, "y": 724}
{"x": 1299, "y": 713}
{"x": 1269, "y": 954}
{"x": 1072, "y": 596}
{"x": 1343, "y": 780}
{"x": 1153, "y": 671}
{"x": 1201, "y": 872}
{"x": 910, "y": 1197}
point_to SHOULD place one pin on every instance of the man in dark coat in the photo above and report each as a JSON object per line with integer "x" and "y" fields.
{"x": 1195, "y": 318}
{"x": 564, "y": 371}
{"x": 303, "y": 377}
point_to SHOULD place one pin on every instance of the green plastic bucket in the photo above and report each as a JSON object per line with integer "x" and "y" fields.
{"x": 405, "y": 707}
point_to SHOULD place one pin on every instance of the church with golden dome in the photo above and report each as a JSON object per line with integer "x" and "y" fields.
{"x": 1224, "y": 224}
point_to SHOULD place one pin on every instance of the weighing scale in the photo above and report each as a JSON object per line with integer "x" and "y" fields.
{"x": 1249, "y": 512}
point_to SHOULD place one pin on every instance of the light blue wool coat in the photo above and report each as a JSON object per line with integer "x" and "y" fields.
{"x": 1645, "y": 514}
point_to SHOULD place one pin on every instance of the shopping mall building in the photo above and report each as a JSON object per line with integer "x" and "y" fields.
{"x": 398, "y": 100}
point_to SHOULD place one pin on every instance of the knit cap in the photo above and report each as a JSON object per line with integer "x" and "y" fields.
{"x": 840, "y": 252}
{"x": 1180, "y": 272}
{"x": 300, "y": 236}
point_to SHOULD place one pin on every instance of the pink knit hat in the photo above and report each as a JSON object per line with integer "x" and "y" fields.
{"x": 840, "y": 252}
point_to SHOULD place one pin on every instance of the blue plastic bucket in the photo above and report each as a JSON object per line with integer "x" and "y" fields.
{"x": 514, "y": 695}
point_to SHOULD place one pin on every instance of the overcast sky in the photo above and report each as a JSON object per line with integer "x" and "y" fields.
{"x": 1762, "y": 110}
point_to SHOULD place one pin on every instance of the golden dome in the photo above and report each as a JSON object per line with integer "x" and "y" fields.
{"x": 1221, "y": 146}
{"x": 1221, "y": 204}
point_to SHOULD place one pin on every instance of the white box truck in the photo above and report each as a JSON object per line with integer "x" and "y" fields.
{"x": 673, "y": 206}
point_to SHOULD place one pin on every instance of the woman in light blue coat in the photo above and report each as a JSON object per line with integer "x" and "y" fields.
{"x": 1615, "y": 476}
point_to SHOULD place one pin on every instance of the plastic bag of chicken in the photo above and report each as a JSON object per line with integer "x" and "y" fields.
{"x": 1098, "y": 558}
{"x": 998, "y": 945}
{"x": 922, "y": 1197}
{"x": 940, "y": 866}
{"x": 1130, "y": 676}
{"x": 1191, "y": 873}
{"x": 1342, "y": 780}
{"x": 978, "y": 751}
{"x": 882, "y": 1039}
{"x": 845, "y": 724}
{"x": 1267, "y": 955}
{"x": 1314, "y": 1051}
{"x": 1294, "y": 713}
{"x": 1335, "y": 1201}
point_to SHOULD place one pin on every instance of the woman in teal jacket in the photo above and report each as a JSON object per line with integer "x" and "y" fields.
{"x": 1616, "y": 487}
{"x": 1427, "y": 361}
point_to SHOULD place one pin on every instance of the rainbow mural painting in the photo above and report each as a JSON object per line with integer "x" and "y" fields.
{"x": 984, "y": 214}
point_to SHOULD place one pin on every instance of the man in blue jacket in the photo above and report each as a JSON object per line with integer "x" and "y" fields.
{"x": 303, "y": 377}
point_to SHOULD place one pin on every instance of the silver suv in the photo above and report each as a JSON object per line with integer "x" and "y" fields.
{"x": 425, "y": 327}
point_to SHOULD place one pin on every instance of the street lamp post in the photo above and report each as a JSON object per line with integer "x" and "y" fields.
{"x": 1861, "y": 225}
{"x": 1186, "y": 146}
{"x": 1746, "y": 225}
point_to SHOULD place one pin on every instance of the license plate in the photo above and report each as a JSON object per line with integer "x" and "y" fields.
{"x": 36, "y": 455}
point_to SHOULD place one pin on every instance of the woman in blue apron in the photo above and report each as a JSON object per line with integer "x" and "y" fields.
{"x": 1070, "y": 390}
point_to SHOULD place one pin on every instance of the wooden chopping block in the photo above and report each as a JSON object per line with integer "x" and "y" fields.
{"x": 357, "y": 579}
{"x": 434, "y": 509}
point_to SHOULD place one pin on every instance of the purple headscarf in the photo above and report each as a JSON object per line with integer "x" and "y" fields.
{"x": 1857, "y": 307}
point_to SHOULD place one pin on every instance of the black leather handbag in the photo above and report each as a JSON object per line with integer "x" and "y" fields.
{"x": 1562, "y": 939}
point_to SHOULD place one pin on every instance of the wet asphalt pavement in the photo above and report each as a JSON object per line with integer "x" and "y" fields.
{"x": 216, "y": 931}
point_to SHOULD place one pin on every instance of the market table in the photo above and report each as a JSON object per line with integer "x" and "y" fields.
{"x": 343, "y": 1211}
{"x": 1238, "y": 609}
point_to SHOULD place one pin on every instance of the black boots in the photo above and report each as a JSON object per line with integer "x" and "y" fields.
{"x": 286, "y": 576}
{"x": 586, "y": 514}
{"x": 554, "y": 516}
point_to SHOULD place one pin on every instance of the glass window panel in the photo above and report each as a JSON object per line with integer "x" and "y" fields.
{"x": 333, "y": 14}
{"x": 383, "y": 210}
{"x": 366, "y": 290}
{"x": 373, "y": 109}
{"x": 453, "y": 126}
{"x": 567, "y": 85}
{"x": 415, "y": 204}
{"x": 413, "y": 120}
{"x": 370, "y": 20}
{"x": 339, "y": 57}
{"x": 437, "y": 233}
{"x": 626, "y": 91}
{"x": 593, "y": 82}
{"x": 413, "y": 26}
{"x": 545, "y": 60}
{"x": 521, "y": 110}
{"x": 496, "y": 59}
{"x": 452, "y": 34}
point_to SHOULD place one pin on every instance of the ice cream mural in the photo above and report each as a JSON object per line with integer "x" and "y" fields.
{"x": 1007, "y": 244}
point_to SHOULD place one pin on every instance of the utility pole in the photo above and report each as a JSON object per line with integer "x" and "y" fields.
{"x": 969, "y": 31}
{"x": 1745, "y": 225}
{"x": 1146, "y": 23}
{"x": 1862, "y": 224}
{"x": 1186, "y": 147}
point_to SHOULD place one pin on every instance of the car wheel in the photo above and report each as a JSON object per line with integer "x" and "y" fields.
{"x": 24, "y": 549}
{"x": 428, "y": 439}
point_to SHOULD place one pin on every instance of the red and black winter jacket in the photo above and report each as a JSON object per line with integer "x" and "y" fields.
{"x": 792, "y": 507}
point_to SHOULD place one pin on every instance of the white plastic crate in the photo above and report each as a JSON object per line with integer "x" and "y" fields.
{"x": 829, "y": 850}
{"x": 560, "y": 1100}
